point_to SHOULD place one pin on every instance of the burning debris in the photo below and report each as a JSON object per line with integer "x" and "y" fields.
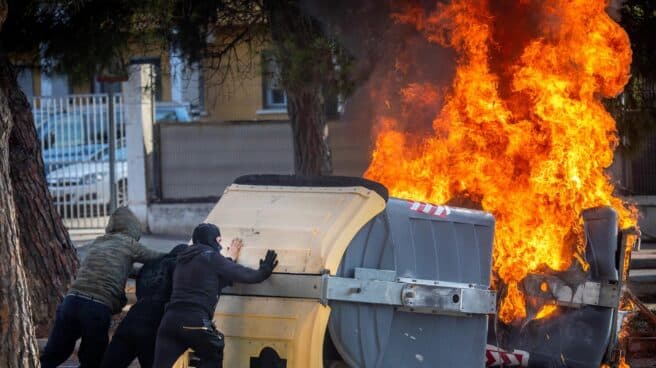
{"x": 521, "y": 132}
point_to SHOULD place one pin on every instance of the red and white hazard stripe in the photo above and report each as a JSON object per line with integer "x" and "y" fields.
{"x": 497, "y": 357}
{"x": 429, "y": 209}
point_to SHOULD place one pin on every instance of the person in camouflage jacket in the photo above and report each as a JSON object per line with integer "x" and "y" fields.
{"x": 97, "y": 292}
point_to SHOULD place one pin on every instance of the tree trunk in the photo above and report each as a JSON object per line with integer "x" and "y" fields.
{"x": 17, "y": 342}
{"x": 49, "y": 257}
{"x": 305, "y": 58}
{"x": 308, "y": 120}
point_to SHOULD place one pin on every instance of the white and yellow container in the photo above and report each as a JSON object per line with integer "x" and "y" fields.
{"x": 386, "y": 282}
{"x": 310, "y": 228}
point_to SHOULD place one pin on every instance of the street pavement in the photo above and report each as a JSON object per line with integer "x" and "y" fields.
{"x": 642, "y": 276}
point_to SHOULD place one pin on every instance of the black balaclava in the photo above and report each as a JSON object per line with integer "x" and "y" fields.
{"x": 207, "y": 234}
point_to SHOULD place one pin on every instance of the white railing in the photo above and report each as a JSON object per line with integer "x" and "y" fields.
{"x": 76, "y": 134}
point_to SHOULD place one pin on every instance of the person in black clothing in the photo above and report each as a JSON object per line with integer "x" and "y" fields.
{"x": 201, "y": 273}
{"x": 135, "y": 336}
{"x": 97, "y": 293}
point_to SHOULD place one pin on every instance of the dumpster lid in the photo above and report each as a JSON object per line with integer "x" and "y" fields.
{"x": 312, "y": 181}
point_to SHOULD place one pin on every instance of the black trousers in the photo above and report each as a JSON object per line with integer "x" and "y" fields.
{"x": 76, "y": 318}
{"x": 135, "y": 337}
{"x": 188, "y": 327}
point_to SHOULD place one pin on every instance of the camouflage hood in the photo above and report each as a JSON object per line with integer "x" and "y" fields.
{"x": 125, "y": 222}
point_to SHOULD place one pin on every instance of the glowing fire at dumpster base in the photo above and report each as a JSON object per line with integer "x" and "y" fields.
{"x": 522, "y": 131}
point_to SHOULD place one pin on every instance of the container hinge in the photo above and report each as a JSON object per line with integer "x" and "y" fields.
{"x": 602, "y": 294}
{"x": 449, "y": 298}
{"x": 410, "y": 295}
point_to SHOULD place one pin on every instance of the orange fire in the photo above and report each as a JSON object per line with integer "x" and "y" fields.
{"x": 521, "y": 132}
{"x": 546, "y": 311}
{"x": 621, "y": 364}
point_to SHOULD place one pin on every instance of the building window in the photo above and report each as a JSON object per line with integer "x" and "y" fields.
{"x": 274, "y": 95}
{"x": 107, "y": 87}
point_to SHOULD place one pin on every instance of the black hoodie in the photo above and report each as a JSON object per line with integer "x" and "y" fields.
{"x": 202, "y": 272}
{"x": 155, "y": 279}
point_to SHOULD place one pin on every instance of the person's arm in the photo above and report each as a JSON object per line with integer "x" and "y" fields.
{"x": 238, "y": 273}
{"x": 141, "y": 253}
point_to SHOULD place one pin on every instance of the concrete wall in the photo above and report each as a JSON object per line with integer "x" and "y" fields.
{"x": 199, "y": 160}
{"x": 647, "y": 220}
{"x": 178, "y": 218}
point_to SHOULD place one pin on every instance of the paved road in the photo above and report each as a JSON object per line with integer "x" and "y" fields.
{"x": 642, "y": 276}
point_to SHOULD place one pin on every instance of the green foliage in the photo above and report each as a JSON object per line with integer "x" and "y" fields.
{"x": 82, "y": 38}
{"x": 309, "y": 56}
{"x": 77, "y": 37}
{"x": 320, "y": 61}
{"x": 639, "y": 21}
{"x": 635, "y": 109}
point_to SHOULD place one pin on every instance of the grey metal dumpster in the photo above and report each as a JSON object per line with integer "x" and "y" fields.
{"x": 416, "y": 241}
{"x": 396, "y": 283}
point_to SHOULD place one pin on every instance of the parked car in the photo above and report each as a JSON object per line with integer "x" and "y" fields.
{"x": 58, "y": 157}
{"x": 69, "y": 138}
{"x": 84, "y": 136}
{"x": 172, "y": 112}
{"x": 86, "y": 184}
{"x": 76, "y": 153}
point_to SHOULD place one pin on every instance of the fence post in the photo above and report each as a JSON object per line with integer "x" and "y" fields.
{"x": 137, "y": 104}
{"x": 112, "y": 151}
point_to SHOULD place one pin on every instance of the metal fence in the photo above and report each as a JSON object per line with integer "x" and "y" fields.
{"x": 642, "y": 179}
{"x": 78, "y": 139}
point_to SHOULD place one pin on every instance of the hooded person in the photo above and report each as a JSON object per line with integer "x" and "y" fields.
{"x": 97, "y": 292}
{"x": 200, "y": 275}
{"x": 136, "y": 334}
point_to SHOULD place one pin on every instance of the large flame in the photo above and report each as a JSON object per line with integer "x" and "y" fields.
{"x": 522, "y": 130}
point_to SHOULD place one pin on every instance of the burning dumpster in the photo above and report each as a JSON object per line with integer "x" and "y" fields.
{"x": 520, "y": 132}
{"x": 443, "y": 256}
{"x": 363, "y": 280}
{"x": 582, "y": 303}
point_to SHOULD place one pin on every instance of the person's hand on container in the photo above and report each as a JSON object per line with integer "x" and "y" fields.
{"x": 233, "y": 250}
{"x": 269, "y": 262}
